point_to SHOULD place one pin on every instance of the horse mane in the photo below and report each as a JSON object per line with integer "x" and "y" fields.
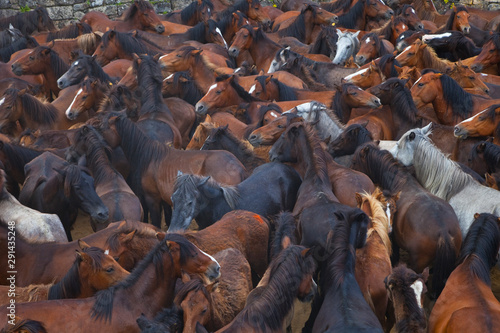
{"x": 285, "y": 227}
{"x": 191, "y": 10}
{"x": 96, "y": 70}
{"x": 276, "y": 299}
{"x": 416, "y": 314}
{"x": 193, "y": 285}
{"x": 318, "y": 45}
{"x": 385, "y": 31}
{"x": 337, "y": 6}
{"x": 6, "y": 38}
{"x": 264, "y": 109}
{"x": 380, "y": 222}
{"x": 259, "y": 35}
{"x": 403, "y": 101}
{"x": 114, "y": 99}
{"x": 226, "y": 20}
{"x": 38, "y": 111}
{"x": 25, "y": 326}
{"x": 384, "y": 61}
{"x": 191, "y": 92}
{"x": 495, "y": 38}
{"x": 453, "y": 14}
{"x": 491, "y": 153}
{"x": 137, "y": 5}
{"x": 20, "y": 44}
{"x": 431, "y": 59}
{"x": 126, "y": 227}
{"x": 99, "y": 156}
{"x": 88, "y": 42}
{"x": 460, "y": 100}
{"x": 69, "y": 285}
{"x": 243, "y": 145}
{"x": 348, "y": 19}
{"x": 423, "y": 12}
{"x": 297, "y": 28}
{"x": 383, "y": 169}
{"x": 130, "y": 43}
{"x": 481, "y": 243}
{"x": 190, "y": 184}
{"x": 197, "y": 32}
{"x": 69, "y": 31}
{"x": 28, "y": 22}
{"x": 18, "y": 155}
{"x": 242, "y": 93}
{"x": 103, "y": 306}
{"x": 444, "y": 184}
{"x": 241, "y": 5}
{"x": 150, "y": 81}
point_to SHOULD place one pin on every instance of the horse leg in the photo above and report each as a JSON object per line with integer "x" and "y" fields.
{"x": 167, "y": 212}
{"x": 395, "y": 251}
{"x": 154, "y": 208}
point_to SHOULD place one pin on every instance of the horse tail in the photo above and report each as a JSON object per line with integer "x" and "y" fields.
{"x": 444, "y": 263}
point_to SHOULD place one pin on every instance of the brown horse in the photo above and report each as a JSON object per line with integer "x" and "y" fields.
{"x": 155, "y": 175}
{"x": 42, "y": 60}
{"x": 290, "y": 277}
{"x": 216, "y": 305}
{"x": 110, "y": 186}
{"x": 251, "y": 8}
{"x": 451, "y": 102}
{"x": 92, "y": 270}
{"x": 196, "y": 11}
{"x": 406, "y": 290}
{"x": 373, "y": 261}
{"x": 140, "y": 15}
{"x": 116, "y": 309}
{"x": 429, "y": 235}
{"x": 371, "y": 47}
{"x": 490, "y": 54}
{"x": 467, "y": 301}
{"x": 482, "y": 124}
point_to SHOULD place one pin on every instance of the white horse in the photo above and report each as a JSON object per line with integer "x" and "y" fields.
{"x": 31, "y": 224}
{"x": 347, "y": 46}
{"x": 444, "y": 178}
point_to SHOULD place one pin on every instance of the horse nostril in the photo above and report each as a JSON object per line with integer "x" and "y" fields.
{"x": 252, "y": 137}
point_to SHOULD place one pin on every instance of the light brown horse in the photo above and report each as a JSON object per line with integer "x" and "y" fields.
{"x": 482, "y": 124}
{"x": 373, "y": 262}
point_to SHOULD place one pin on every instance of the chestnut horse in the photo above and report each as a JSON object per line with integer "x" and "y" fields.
{"x": 490, "y": 54}
{"x": 467, "y": 301}
{"x": 92, "y": 270}
{"x": 155, "y": 174}
{"x": 140, "y": 15}
{"x": 484, "y": 123}
{"x": 214, "y": 306}
{"x": 429, "y": 235}
{"x": 116, "y": 309}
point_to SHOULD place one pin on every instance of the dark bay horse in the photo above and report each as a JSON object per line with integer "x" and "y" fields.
{"x": 196, "y": 11}
{"x": 155, "y": 174}
{"x": 430, "y": 235}
{"x": 140, "y": 15}
{"x": 206, "y": 201}
{"x": 116, "y": 309}
{"x": 54, "y": 186}
{"x": 83, "y": 66}
{"x": 467, "y": 301}
{"x": 29, "y": 22}
{"x": 110, "y": 186}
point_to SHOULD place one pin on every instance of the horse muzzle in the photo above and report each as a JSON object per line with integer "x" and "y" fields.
{"x": 17, "y": 69}
{"x": 201, "y": 108}
{"x": 213, "y": 272}
{"x": 233, "y": 52}
{"x": 255, "y": 140}
{"x": 360, "y": 60}
{"x": 388, "y": 14}
{"x": 101, "y": 216}
{"x": 61, "y": 84}
{"x": 160, "y": 28}
{"x": 466, "y": 30}
{"x": 375, "y": 102}
{"x": 460, "y": 132}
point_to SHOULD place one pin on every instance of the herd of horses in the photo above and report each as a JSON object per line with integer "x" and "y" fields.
{"x": 306, "y": 167}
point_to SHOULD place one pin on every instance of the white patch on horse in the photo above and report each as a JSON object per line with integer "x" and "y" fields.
{"x": 413, "y": 11}
{"x": 429, "y": 37}
{"x": 106, "y": 252}
{"x": 350, "y": 76}
{"x": 418, "y": 287}
{"x": 2, "y": 100}
{"x": 468, "y": 120}
{"x": 220, "y": 33}
{"x": 388, "y": 213}
{"x": 416, "y": 82}
{"x": 274, "y": 114}
{"x": 74, "y": 99}
{"x": 213, "y": 86}
{"x": 208, "y": 255}
{"x": 367, "y": 40}
{"x": 75, "y": 63}
{"x": 403, "y": 26}
{"x": 252, "y": 89}
{"x": 382, "y": 2}
{"x": 168, "y": 77}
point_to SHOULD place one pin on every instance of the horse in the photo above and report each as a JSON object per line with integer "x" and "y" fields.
{"x": 351, "y": 138}
{"x": 196, "y": 11}
{"x": 29, "y": 22}
{"x": 115, "y": 44}
{"x": 470, "y": 81}
{"x": 488, "y": 153}
{"x": 88, "y": 98}
{"x": 29, "y": 223}
{"x": 489, "y": 55}
{"x": 356, "y": 16}
{"x": 436, "y": 226}
{"x": 251, "y": 8}
{"x": 313, "y": 73}
{"x": 216, "y": 305}
{"x": 447, "y": 180}
{"x": 206, "y": 201}
{"x": 343, "y": 306}
{"x": 42, "y": 60}
{"x": 453, "y": 45}
{"x": 373, "y": 261}
{"x": 92, "y": 270}
{"x": 371, "y": 47}
{"x": 203, "y": 32}
{"x": 110, "y": 186}
{"x": 68, "y": 32}
{"x": 157, "y": 171}
{"x": 347, "y": 46}
{"x": 54, "y": 186}
{"x": 221, "y": 138}
{"x": 9, "y": 35}
{"x": 20, "y": 110}
{"x": 117, "y": 308}
{"x": 477, "y": 311}
{"x": 366, "y": 77}
{"x": 140, "y": 15}
{"x": 168, "y": 320}
{"x": 83, "y": 66}
{"x": 458, "y": 20}
{"x": 20, "y": 44}
{"x": 451, "y": 102}
{"x": 482, "y": 124}
{"x": 290, "y": 276}
{"x": 406, "y": 290}
{"x": 411, "y": 16}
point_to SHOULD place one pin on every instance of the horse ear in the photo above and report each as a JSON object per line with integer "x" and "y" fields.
{"x": 356, "y": 34}
{"x": 82, "y": 244}
{"x": 200, "y": 328}
{"x": 204, "y": 180}
{"x": 208, "y": 119}
{"x": 396, "y": 196}
{"x": 22, "y": 92}
{"x": 359, "y": 199}
{"x": 185, "y": 277}
{"x": 489, "y": 180}
{"x": 135, "y": 56}
{"x": 51, "y": 44}
{"x": 476, "y": 216}
{"x": 156, "y": 57}
{"x": 481, "y": 147}
{"x": 423, "y": 46}
{"x": 160, "y": 236}
{"x": 213, "y": 286}
{"x": 364, "y": 151}
{"x": 425, "y": 274}
{"x": 427, "y": 129}
{"x": 128, "y": 237}
{"x": 73, "y": 55}
{"x": 306, "y": 252}
{"x": 111, "y": 34}
{"x": 46, "y": 51}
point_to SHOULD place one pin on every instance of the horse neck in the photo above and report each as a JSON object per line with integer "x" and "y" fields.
{"x": 407, "y": 319}
{"x": 202, "y": 74}
{"x": 431, "y": 60}
{"x": 101, "y": 167}
{"x": 33, "y": 116}
{"x": 257, "y": 52}
{"x": 52, "y": 74}
{"x": 245, "y": 155}
{"x": 342, "y": 109}
{"x": 423, "y": 12}
{"x": 328, "y": 125}
{"x": 402, "y": 103}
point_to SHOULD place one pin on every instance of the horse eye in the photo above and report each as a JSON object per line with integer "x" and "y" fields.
{"x": 458, "y": 17}
{"x": 84, "y": 97}
{"x": 110, "y": 270}
{"x": 256, "y": 8}
{"x": 116, "y": 259}
{"x": 491, "y": 51}
{"x": 354, "y": 93}
{"x": 411, "y": 53}
{"x": 280, "y": 126}
{"x": 218, "y": 92}
{"x": 472, "y": 77}
{"x": 420, "y": 84}
{"x": 178, "y": 55}
{"x": 31, "y": 58}
{"x": 348, "y": 47}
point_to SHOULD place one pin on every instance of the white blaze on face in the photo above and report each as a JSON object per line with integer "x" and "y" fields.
{"x": 74, "y": 99}
{"x": 213, "y": 86}
{"x": 413, "y": 11}
{"x": 418, "y": 287}
{"x": 416, "y": 82}
{"x": 106, "y": 252}
{"x": 367, "y": 40}
{"x": 348, "y": 77}
{"x": 473, "y": 117}
{"x": 388, "y": 213}
{"x": 252, "y": 89}
{"x": 403, "y": 26}
{"x": 404, "y": 51}
{"x": 426, "y": 38}
{"x": 220, "y": 33}
{"x": 75, "y": 63}
{"x": 273, "y": 67}
{"x": 274, "y": 114}
{"x": 2, "y": 100}
{"x": 168, "y": 77}
{"x": 212, "y": 258}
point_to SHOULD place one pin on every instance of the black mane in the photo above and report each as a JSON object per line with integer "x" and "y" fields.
{"x": 70, "y": 31}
